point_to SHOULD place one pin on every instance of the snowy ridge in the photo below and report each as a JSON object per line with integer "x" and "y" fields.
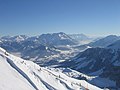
{"x": 27, "y": 75}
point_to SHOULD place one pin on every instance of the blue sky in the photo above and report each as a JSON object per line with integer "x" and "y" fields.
{"x": 34, "y": 17}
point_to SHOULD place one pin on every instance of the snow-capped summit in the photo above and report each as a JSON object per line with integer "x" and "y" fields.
{"x": 20, "y": 38}
{"x": 19, "y": 74}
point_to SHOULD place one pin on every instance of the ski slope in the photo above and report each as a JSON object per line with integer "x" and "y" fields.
{"x": 19, "y": 74}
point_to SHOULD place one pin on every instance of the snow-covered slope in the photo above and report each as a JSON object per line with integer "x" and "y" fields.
{"x": 18, "y": 74}
{"x": 10, "y": 79}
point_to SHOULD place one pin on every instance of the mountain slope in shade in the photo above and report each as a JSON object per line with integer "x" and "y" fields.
{"x": 103, "y": 42}
{"x": 17, "y": 74}
{"x": 102, "y": 62}
{"x": 115, "y": 45}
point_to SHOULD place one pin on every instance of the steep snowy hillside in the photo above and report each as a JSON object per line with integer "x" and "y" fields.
{"x": 10, "y": 79}
{"x": 17, "y": 74}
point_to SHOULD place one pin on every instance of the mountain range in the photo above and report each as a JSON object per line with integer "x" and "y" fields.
{"x": 42, "y": 48}
{"x": 99, "y": 59}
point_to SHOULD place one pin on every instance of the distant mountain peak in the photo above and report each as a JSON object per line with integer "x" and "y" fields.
{"x": 17, "y": 38}
{"x": 56, "y": 39}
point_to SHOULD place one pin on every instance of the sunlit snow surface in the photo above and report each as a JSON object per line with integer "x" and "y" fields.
{"x": 18, "y": 74}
